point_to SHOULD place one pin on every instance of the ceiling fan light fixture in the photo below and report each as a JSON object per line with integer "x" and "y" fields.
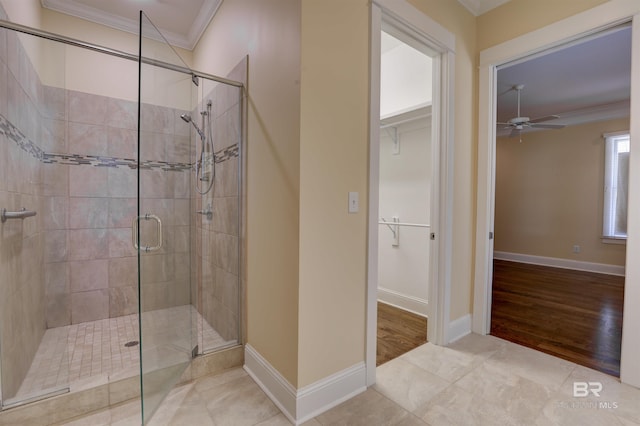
{"x": 518, "y": 123}
{"x": 518, "y": 120}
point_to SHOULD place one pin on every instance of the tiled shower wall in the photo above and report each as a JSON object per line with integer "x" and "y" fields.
{"x": 218, "y": 251}
{"x": 22, "y": 297}
{"x": 90, "y": 202}
{"x": 70, "y": 156}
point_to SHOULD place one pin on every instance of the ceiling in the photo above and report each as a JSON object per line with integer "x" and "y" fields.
{"x": 585, "y": 81}
{"x": 181, "y": 22}
{"x": 588, "y": 80}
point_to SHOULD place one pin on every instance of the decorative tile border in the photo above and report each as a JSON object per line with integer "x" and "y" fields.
{"x": 227, "y": 153}
{"x": 21, "y": 140}
{"x": 7, "y": 128}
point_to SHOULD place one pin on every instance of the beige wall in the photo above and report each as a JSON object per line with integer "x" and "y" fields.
{"x": 518, "y": 17}
{"x": 91, "y": 72}
{"x": 455, "y": 18}
{"x": 269, "y": 32}
{"x": 306, "y": 255}
{"x": 472, "y": 35}
{"x": 24, "y": 12}
{"x": 307, "y": 147}
{"x": 333, "y": 161}
{"x": 549, "y": 194}
{"x": 86, "y": 71}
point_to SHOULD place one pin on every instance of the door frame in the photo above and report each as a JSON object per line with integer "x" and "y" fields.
{"x": 401, "y": 15}
{"x": 575, "y": 27}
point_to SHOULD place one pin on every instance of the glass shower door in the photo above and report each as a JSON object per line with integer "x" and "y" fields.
{"x": 161, "y": 231}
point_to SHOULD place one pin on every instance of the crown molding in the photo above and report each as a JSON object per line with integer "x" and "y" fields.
{"x": 186, "y": 41}
{"x": 478, "y": 7}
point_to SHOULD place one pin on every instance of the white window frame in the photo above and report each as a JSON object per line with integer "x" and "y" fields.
{"x": 611, "y": 185}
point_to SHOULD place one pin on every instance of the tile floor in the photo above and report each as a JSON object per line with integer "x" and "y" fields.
{"x": 478, "y": 380}
{"x": 82, "y": 352}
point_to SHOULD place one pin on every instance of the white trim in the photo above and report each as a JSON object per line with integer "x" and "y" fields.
{"x": 588, "y": 22}
{"x": 614, "y": 134}
{"x": 569, "y": 29}
{"x": 442, "y": 136}
{"x": 402, "y": 15}
{"x": 414, "y": 19}
{"x": 593, "y": 20}
{"x": 374, "y": 196}
{"x": 556, "y": 262}
{"x": 630, "y": 353}
{"x": 459, "y": 328}
{"x": 186, "y": 41}
{"x": 331, "y": 391}
{"x": 303, "y": 404}
{"x": 277, "y": 388}
{"x": 485, "y": 200}
{"x": 611, "y": 240}
{"x": 412, "y": 304}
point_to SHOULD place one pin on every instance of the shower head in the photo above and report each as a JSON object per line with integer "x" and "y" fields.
{"x": 187, "y": 119}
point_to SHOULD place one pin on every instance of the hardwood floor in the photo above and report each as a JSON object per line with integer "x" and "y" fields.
{"x": 573, "y": 315}
{"x": 399, "y": 331}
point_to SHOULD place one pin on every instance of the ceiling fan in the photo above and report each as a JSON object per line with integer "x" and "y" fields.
{"x": 519, "y": 123}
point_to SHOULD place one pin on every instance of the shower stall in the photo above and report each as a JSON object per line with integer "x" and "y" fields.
{"x": 121, "y": 234}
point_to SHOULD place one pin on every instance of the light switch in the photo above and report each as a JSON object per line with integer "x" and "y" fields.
{"x": 354, "y": 203}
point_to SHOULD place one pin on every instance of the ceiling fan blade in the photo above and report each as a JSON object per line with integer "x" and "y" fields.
{"x": 514, "y": 133}
{"x": 545, "y": 118}
{"x": 548, "y": 126}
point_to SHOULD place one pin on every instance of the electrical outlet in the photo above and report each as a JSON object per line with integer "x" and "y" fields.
{"x": 576, "y": 248}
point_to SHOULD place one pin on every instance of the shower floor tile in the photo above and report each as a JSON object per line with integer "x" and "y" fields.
{"x": 97, "y": 350}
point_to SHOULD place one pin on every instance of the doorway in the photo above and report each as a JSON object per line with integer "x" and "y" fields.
{"x": 404, "y": 194}
{"x": 394, "y": 228}
{"x": 575, "y": 28}
{"x": 551, "y": 199}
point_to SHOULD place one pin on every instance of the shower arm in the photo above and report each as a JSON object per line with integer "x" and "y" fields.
{"x": 200, "y": 132}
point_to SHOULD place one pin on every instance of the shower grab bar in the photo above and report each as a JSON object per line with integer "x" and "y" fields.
{"x": 135, "y": 233}
{"x": 20, "y": 214}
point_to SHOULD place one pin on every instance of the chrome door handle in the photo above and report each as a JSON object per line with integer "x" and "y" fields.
{"x": 134, "y": 233}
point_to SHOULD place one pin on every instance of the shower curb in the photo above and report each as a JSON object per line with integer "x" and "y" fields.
{"x": 75, "y": 404}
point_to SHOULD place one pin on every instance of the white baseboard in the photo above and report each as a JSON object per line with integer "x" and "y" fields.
{"x": 459, "y": 328}
{"x": 305, "y": 403}
{"x": 277, "y": 388}
{"x": 325, "y": 394}
{"x": 408, "y": 303}
{"x": 555, "y": 262}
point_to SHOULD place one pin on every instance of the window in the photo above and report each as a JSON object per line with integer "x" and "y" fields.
{"x": 616, "y": 186}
